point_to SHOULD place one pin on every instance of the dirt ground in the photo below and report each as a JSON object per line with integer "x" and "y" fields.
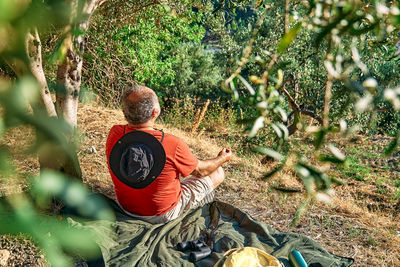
{"x": 361, "y": 221}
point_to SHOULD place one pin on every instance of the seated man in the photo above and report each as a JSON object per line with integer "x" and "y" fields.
{"x": 160, "y": 196}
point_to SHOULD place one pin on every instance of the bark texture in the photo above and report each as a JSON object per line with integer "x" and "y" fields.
{"x": 34, "y": 53}
{"x": 51, "y": 155}
{"x": 46, "y": 155}
{"x": 69, "y": 72}
{"x": 297, "y": 110}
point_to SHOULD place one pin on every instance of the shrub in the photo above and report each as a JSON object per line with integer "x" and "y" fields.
{"x": 158, "y": 49}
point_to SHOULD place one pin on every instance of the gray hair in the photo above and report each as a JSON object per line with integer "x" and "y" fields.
{"x": 139, "y": 110}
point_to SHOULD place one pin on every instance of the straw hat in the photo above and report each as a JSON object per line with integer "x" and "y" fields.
{"x": 249, "y": 257}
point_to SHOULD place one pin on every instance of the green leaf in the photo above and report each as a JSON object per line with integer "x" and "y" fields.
{"x": 269, "y": 152}
{"x": 336, "y": 152}
{"x": 319, "y": 138}
{"x": 5, "y": 162}
{"x": 277, "y": 130}
{"x": 355, "y": 87}
{"x": 49, "y": 183}
{"x": 72, "y": 193}
{"x": 247, "y": 85}
{"x": 53, "y": 235}
{"x": 336, "y": 181}
{"x": 392, "y": 146}
{"x": 281, "y": 112}
{"x": 258, "y": 124}
{"x": 53, "y": 130}
{"x": 28, "y": 88}
{"x": 300, "y": 212}
{"x": 322, "y": 181}
{"x": 233, "y": 86}
{"x": 280, "y": 79}
{"x": 78, "y": 32}
{"x": 284, "y": 130}
{"x": 274, "y": 171}
{"x": 286, "y": 190}
{"x": 235, "y": 83}
{"x": 2, "y": 127}
{"x": 326, "y": 158}
{"x": 365, "y": 29}
{"x": 305, "y": 175}
{"x": 59, "y": 52}
{"x": 225, "y": 87}
{"x": 14, "y": 99}
{"x": 312, "y": 175}
{"x": 288, "y": 38}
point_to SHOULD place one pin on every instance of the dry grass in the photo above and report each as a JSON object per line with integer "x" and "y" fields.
{"x": 361, "y": 222}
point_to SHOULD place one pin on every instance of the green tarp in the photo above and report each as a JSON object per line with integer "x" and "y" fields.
{"x": 131, "y": 242}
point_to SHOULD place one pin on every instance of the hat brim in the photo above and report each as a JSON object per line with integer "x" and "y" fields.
{"x": 138, "y": 137}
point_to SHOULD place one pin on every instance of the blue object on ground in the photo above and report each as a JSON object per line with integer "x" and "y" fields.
{"x": 296, "y": 259}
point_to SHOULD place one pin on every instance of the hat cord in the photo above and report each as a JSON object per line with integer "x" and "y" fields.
{"x": 161, "y": 130}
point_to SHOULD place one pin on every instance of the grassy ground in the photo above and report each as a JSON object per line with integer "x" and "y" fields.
{"x": 361, "y": 221}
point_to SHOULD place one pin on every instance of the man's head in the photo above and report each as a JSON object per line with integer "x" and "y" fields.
{"x": 140, "y": 104}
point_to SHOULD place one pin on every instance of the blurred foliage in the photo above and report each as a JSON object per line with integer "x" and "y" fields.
{"x": 345, "y": 46}
{"x": 27, "y": 212}
{"x": 179, "y": 65}
{"x": 336, "y": 59}
{"x": 303, "y": 65}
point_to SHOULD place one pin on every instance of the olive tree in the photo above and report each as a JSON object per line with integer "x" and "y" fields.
{"x": 68, "y": 56}
{"x": 342, "y": 76}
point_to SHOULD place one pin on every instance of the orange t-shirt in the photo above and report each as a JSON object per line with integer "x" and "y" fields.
{"x": 164, "y": 193}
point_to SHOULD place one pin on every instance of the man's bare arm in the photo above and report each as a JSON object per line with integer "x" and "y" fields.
{"x": 206, "y": 167}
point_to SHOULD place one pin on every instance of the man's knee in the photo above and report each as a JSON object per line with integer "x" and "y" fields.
{"x": 217, "y": 176}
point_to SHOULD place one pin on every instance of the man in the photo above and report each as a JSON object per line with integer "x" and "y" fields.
{"x": 164, "y": 197}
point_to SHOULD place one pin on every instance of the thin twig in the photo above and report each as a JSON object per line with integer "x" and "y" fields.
{"x": 246, "y": 51}
{"x": 328, "y": 96}
{"x": 292, "y": 101}
{"x": 200, "y": 116}
{"x": 265, "y": 74}
{"x": 287, "y": 7}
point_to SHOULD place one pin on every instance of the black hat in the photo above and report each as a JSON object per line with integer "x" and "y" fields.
{"x": 137, "y": 159}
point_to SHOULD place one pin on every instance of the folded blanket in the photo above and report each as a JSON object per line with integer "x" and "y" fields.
{"x": 132, "y": 242}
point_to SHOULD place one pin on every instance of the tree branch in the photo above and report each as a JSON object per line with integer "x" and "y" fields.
{"x": 296, "y": 108}
{"x": 292, "y": 102}
{"x": 287, "y": 7}
{"x": 33, "y": 48}
{"x": 246, "y": 52}
{"x": 327, "y": 99}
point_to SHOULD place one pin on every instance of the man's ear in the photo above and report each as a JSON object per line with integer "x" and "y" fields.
{"x": 156, "y": 112}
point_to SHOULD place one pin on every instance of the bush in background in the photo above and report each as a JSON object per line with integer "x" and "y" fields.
{"x": 181, "y": 53}
{"x": 159, "y": 48}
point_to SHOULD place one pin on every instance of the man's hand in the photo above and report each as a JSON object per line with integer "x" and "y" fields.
{"x": 205, "y": 167}
{"x": 225, "y": 154}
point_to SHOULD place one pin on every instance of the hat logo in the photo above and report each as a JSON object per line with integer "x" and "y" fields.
{"x": 136, "y": 162}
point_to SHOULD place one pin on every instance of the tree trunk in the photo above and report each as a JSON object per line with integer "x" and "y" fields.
{"x": 34, "y": 53}
{"x": 63, "y": 162}
{"x": 69, "y": 72}
{"x": 69, "y": 84}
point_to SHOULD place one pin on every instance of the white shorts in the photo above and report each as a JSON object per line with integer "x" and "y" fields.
{"x": 195, "y": 193}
